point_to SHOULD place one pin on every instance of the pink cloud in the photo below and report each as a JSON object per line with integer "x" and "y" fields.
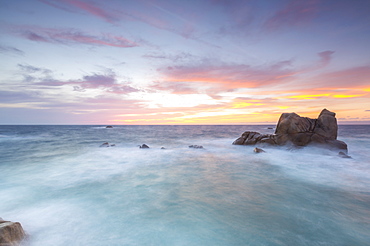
{"x": 352, "y": 77}
{"x": 88, "y": 7}
{"x": 230, "y": 76}
{"x": 83, "y": 5}
{"x": 159, "y": 15}
{"x": 68, "y": 36}
{"x": 213, "y": 78}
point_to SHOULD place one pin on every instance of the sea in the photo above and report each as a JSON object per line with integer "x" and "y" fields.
{"x": 65, "y": 189}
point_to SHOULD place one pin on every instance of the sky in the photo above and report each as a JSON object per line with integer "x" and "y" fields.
{"x": 147, "y": 62}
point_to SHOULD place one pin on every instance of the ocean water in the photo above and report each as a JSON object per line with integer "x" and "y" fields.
{"x": 66, "y": 190}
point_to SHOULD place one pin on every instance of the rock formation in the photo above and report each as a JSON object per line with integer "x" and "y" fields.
{"x": 300, "y": 131}
{"x": 11, "y": 233}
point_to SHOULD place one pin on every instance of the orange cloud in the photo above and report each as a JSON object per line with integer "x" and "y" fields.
{"x": 308, "y": 97}
{"x": 347, "y": 96}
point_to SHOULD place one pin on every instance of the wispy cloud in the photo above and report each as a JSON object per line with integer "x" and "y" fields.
{"x": 107, "y": 82}
{"x": 216, "y": 76}
{"x": 32, "y": 69}
{"x": 240, "y": 16}
{"x": 32, "y": 74}
{"x": 8, "y": 96}
{"x": 295, "y": 13}
{"x": 161, "y": 15}
{"x": 347, "y": 78}
{"x": 180, "y": 57}
{"x": 10, "y": 50}
{"x": 175, "y": 87}
{"x": 231, "y": 76}
{"x": 71, "y": 36}
{"x": 91, "y": 8}
{"x": 325, "y": 57}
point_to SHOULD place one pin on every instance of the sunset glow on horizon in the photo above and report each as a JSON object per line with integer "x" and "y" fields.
{"x": 150, "y": 62}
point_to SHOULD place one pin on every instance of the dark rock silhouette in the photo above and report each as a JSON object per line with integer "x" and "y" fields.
{"x": 196, "y": 146}
{"x": 11, "y": 233}
{"x": 300, "y": 131}
{"x": 144, "y": 146}
{"x": 109, "y": 127}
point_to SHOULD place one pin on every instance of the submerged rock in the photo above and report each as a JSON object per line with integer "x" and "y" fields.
{"x": 196, "y": 146}
{"x": 343, "y": 155}
{"x": 258, "y": 150}
{"x": 106, "y": 144}
{"x": 11, "y": 233}
{"x": 144, "y": 146}
{"x": 300, "y": 131}
{"x": 109, "y": 127}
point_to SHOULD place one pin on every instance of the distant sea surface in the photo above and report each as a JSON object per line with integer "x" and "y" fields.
{"x": 66, "y": 190}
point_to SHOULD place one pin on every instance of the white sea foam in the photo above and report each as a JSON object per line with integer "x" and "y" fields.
{"x": 70, "y": 191}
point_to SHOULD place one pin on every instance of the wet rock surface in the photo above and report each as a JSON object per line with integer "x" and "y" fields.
{"x": 11, "y": 233}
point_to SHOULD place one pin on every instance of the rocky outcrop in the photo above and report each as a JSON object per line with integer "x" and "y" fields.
{"x": 300, "y": 131}
{"x": 11, "y": 233}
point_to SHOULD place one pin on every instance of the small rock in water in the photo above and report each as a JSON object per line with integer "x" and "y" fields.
{"x": 258, "y": 150}
{"x": 144, "y": 146}
{"x": 109, "y": 127}
{"x": 106, "y": 144}
{"x": 163, "y": 147}
{"x": 343, "y": 155}
{"x": 196, "y": 146}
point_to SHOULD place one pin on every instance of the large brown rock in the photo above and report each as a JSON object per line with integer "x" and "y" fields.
{"x": 11, "y": 233}
{"x": 300, "y": 131}
{"x": 290, "y": 123}
{"x": 326, "y": 125}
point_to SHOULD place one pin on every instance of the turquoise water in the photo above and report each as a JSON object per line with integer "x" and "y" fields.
{"x": 66, "y": 190}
